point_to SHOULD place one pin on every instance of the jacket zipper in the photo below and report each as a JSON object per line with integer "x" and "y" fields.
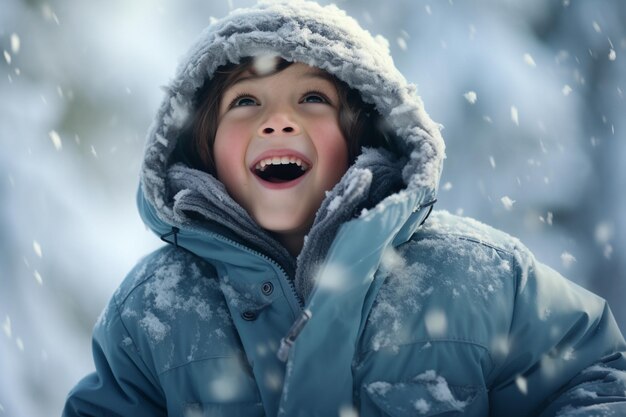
{"x": 268, "y": 259}
{"x": 294, "y": 331}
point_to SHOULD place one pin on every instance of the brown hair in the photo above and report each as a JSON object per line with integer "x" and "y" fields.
{"x": 359, "y": 122}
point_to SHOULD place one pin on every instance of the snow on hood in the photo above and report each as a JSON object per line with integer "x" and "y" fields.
{"x": 320, "y": 36}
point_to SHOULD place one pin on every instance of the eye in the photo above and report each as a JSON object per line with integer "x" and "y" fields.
{"x": 243, "y": 100}
{"x": 315, "y": 97}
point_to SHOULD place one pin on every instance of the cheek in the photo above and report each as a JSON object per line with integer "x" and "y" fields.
{"x": 229, "y": 151}
{"x": 332, "y": 150}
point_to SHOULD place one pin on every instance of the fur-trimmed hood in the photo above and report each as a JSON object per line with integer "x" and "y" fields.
{"x": 323, "y": 37}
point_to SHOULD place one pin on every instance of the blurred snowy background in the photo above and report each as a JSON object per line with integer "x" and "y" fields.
{"x": 531, "y": 95}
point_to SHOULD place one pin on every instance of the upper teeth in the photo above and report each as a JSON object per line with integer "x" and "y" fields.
{"x": 281, "y": 160}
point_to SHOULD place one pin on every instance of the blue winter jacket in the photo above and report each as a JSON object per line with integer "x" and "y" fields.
{"x": 386, "y": 311}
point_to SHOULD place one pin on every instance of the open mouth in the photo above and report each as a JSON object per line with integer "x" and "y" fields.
{"x": 279, "y": 170}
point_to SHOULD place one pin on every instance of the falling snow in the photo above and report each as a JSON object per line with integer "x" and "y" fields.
{"x": 522, "y": 384}
{"x": 224, "y": 388}
{"x": 514, "y": 115}
{"x": 566, "y": 90}
{"x": 56, "y": 140}
{"x": 265, "y": 64}
{"x": 528, "y": 59}
{"x": 15, "y": 43}
{"x": 401, "y": 44}
{"x": 507, "y": 202}
{"x": 436, "y": 322}
{"x": 6, "y": 327}
{"x": 38, "y": 278}
{"x": 471, "y": 97}
{"x": 37, "y": 248}
{"x": 612, "y": 55}
{"x": 567, "y": 259}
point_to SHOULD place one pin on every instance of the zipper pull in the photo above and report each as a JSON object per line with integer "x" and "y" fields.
{"x": 287, "y": 342}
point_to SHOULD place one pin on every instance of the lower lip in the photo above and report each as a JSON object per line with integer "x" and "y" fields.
{"x": 281, "y": 185}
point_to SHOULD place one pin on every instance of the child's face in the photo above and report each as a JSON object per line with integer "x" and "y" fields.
{"x": 278, "y": 147}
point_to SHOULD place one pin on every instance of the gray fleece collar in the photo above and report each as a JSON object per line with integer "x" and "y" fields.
{"x": 320, "y": 36}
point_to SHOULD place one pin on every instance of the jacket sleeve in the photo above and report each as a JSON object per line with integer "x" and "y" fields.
{"x": 563, "y": 354}
{"x": 122, "y": 385}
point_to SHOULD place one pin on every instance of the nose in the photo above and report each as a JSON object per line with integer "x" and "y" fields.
{"x": 279, "y": 124}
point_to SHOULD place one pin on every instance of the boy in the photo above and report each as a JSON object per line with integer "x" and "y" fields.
{"x": 305, "y": 276}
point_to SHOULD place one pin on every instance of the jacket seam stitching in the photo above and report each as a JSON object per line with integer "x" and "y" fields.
{"x": 132, "y": 290}
{"x": 138, "y": 355}
{"x": 197, "y": 360}
{"x": 467, "y": 238}
{"x": 448, "y": 340}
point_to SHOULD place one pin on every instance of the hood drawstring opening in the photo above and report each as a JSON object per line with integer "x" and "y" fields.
{"x": 174, "y": 232}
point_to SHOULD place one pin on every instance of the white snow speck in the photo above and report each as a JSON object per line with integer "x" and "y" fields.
{"x": 492, "y": 162}
{"x": 38, "y": 278}
{"x": 333, "y": 278}
{"x": 15, "y": 43}
{"x": 447, "y": 186}
{"x": 225, "y": 388}
{"x": 56, "y": 140}
{"x": 155, "y": 328}
{"x": 548, "y": 219}
{"x": 401, "y": 43}
{"x": 596, "y": 26}
{"x": 566, "y": 90}
{"x": 514, "y": 115}
{"x": 528, "y": 59}
{"x": 507, "y": 202}
{"x": 49, "y": 14}
{"x": 428, "y": 9}
{"x": 20, "y": 344}
{"x": 379, "y": 387}
{"x": 273, "y": 381}
{"x": 568, "y": 354}
{"x": 612, "y": 55}
{"x": 37, "y": 248}
{"x": 7, "y": 57}
{"x": 422, "y": 406}
{"x": 500, "y": 345}
{"x": 438, "y": 388}
{"x": 265, "y": 64}
{"x": 1, "y": 408}
{"x": 335, "y": 203}
{"x": 6, "y": 326}
{"x": 603, "y": 232}
{"x": 583, "y": 393}
{"x": 93, "y": 152}
{"x": 608, "y": 251}
{"x": 522, "y": 384}
{"x": 392, "y": 260}
{"x": 567, "y": 259}
{"x": 436, "y": 322}
{"x": 348, "y": 411}
{"x": 471, "y": 97}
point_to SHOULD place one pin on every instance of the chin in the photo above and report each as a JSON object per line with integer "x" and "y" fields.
{"x": 285, "y": 226}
